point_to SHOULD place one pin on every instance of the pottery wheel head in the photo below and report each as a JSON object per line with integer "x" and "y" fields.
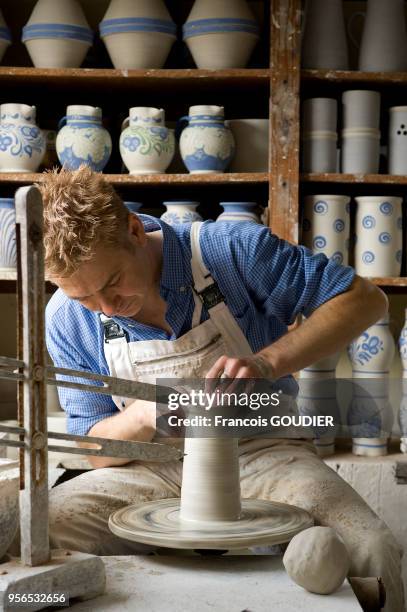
{"x": 158, "y": 523}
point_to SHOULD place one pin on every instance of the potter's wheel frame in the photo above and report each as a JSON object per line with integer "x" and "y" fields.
{"x": 158, "y": 523}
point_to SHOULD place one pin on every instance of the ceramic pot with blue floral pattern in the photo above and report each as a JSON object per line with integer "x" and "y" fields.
{"x": 146, "y": 145}
{"x": 379, "y": 239}
{"x": 82, "y": 139}
{"x": 22, "y": 143}
{"x": 207, "y": 145}
{"x": 371, "y": 354}
{"x": 180, "y": 211}
{"x": 8, "y": 248}
{"x": 325, "y": 226}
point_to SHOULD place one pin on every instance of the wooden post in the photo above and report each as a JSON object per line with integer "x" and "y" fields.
{"x": 34, "y": 492}
{"x": 284, "y": 117}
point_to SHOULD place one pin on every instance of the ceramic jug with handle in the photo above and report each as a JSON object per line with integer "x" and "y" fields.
{"x": 22, "y": 143}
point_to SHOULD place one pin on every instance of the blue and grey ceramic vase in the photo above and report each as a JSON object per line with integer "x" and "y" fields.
{"x": 83, "y": 140}
{"x": 239, "y": 211}
{"x": 8, "y": 248}
{"x": 22, "y": 143}
{"x": 207, "y": 145}
{"x": 180, "y": 211}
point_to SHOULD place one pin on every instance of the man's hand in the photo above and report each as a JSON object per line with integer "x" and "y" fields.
{"x": 238, "y": 369}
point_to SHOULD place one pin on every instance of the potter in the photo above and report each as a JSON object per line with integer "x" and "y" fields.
{"x": 143, "y": 300}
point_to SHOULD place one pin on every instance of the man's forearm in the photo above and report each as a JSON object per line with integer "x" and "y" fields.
{"x": 137, "y": 423}
{"x": 330, "y": 328}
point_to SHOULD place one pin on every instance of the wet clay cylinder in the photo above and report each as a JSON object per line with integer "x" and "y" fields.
{"x": 210, "y": 480}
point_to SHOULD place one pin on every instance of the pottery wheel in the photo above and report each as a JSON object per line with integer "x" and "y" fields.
{"x": 158, "y": 523}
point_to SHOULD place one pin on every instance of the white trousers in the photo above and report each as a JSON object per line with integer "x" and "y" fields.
{"x": 288, "y": 471}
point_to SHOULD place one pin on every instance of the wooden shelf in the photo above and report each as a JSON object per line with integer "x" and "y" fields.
{"x": 17, "y": 178}
{"x": 73, "y": 78}
{"x": 366, "y": 179}
{"x": 397, "y": 281}
{"x": 354, "y": 76}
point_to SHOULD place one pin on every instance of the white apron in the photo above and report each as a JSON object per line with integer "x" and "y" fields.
{"x": 189, "y": 356}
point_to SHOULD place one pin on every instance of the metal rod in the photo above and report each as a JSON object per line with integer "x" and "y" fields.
{"x": 9, "y": 361}
{"x": 15, "y": 443}
{"x": 11, "y": 429}
{"x": 11, "y": 376}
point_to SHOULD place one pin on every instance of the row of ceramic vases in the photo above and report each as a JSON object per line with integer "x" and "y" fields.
{"x": 360, "y": 150}
{"x": 383, "y": 45}
{"x": 371, "y": 415}
{"x": 178, "y": 211}
{"x": 378, "y": 234}
{"x": 207, "y": 143}
{"x": 138, "y": 34}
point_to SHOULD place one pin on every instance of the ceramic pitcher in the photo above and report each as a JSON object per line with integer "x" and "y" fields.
{"x": 384, "y": 40}
{"x": 324, "y": 43}
{"x": 221, "y": 35}
{"x": 206, "y": 144}
{"x": 180, "y": 211}
{"x": 138, "y": 34}
{"x": 22, "y": 143}
{"x": 8, "y": 248}
{"x": 146, "y": 145}
{"x": 83, "y": 140}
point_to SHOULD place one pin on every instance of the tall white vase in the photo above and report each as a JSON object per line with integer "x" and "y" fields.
{"x": 22, "y": 143}
{"x": 57, "y": 34}
{"x": 325, "y": 226}
{"x": 403, "y": 415}
{"x": 371, "y": 354}
{"x": 317, "y": 397}
{"x": 221, "y": 35}
{"x": 8, "y": 247}
{"x": 324, "y": 42}
{"x": 378, "y": 247}
{"x": 384, "y": 39}
{"x": 403, "y": 346}
{"x": 138, "y": 33}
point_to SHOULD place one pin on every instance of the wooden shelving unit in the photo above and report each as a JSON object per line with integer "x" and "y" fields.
{"x": 352, "y": 77}
{"x": 366, "y": 179}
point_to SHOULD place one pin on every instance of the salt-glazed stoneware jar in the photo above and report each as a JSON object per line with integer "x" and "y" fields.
{"x": 324, "y": 44}
{"x": 221, "y": 34}
{"x": 8, "y": 248}
{"x": 180, "y": 211}
{"x": 378, "y": 248}
{"x": 5, "y": 36}
{"x": 146, "y": 145}
{"x": 207, "y": 145}
{"x": 372, "y": 352}
{"x": 138, "y": 33}
{"x": 325, "y": 226}
{"x": 403, "y": 345}
{"x": 239, "y": 211}
{"x": 82, "y": 139}
{"x": 57, "y": 34}
{"x": 22, "y": 143}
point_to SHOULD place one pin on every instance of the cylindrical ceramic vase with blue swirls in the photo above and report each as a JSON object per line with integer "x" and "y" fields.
{"x": 221, "y": 35}
{"x": 8, "y": 248}
{"x": 147, "y": 146}
{"x": 325, "y": 226}
{"x": 207, "y": 145}
{"x": 180, "y": 211}
{"x": 239, "y": 211}
{"x": 83, "y": 140}
{"x": 378, "y": 240}
{"x": 57, "y": 34}
{"x": 138, "y": 34}
{"x": 22, "y": 143}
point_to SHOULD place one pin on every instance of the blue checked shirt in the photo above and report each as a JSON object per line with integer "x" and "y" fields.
{"x": 266, "y": 283}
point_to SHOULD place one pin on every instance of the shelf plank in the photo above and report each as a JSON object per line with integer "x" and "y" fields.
{"x": 354, "y": 76}
{"x": 367, "y": 179}
{"x": 397, "y": 281}
{"x": 142, "y": 79}
{"x": 20, "y": 178}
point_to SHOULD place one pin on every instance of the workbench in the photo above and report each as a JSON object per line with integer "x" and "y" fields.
{"x": 223, "y": 584}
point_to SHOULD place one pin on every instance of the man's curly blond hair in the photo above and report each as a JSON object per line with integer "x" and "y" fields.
{"x": 81, "y": 211}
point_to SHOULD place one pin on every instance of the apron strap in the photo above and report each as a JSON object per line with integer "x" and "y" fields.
{"x": 208, "y": 292}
